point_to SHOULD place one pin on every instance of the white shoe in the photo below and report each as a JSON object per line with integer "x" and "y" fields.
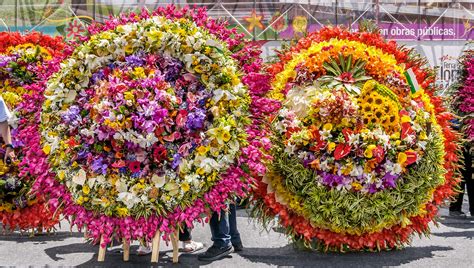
{"x": 115, "y": 249}
{"x": 142, "y": 250}
{"x": 193, "y": 246}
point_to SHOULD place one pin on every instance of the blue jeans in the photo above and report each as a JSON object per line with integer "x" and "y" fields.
{"x": 224, "y": 230}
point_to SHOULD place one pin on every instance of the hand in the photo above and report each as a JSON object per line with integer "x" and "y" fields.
{"x": 10, "y": 153}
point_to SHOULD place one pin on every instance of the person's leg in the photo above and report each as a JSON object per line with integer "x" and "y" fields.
{"x": 185, "y": 234}
{"x": 220, "y": 232}
{"x": 188, "y": 244}
{"x": 456, "y": 205}
{"x": 234, "y": 232}
{"x": 143, "y": 249}
{"x": 467, "y": 175}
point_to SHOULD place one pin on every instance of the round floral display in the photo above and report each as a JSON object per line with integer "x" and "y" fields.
{"x": 359, "y": 158}
{"x": 463, "y": 95}
{"x": 145, "y": 123}
{"x": 26, "y": 61}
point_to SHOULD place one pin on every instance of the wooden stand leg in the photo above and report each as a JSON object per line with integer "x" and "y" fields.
{"x": 126, "y": 250}
{"x": 102, "y": 250}
{"x": 155, "y": 247}
{"x": 174, "y": 241}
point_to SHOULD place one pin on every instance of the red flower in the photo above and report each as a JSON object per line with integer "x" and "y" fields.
{"x": 346, "y": 132}
{"x": 406, "y": 130}
{"x": 346, "y": 77}
{"x": 411, "y": 157}
{"x": 159, "y": 153}
{"x": 119, "y": 164}
{"x": 378, "y": 153}
{"x": 341, "y": 151}
{"x": 134, "y": 166}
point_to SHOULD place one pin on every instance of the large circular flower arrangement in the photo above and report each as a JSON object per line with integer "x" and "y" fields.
{"x": 359, "y": 162}
{"x": 26, "y": 61}
{"x": 463, "y": 93}
{"x": 146, "y": 122}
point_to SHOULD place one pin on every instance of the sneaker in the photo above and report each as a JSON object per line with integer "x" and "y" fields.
{"x": 214, "y": 253}
{"x": 115, "y": 249}
{"x": 192, "y": 246}
{"x": 142, "y": 250}
{"x": 238, "y": 246}
{"x": 457, "y": 214}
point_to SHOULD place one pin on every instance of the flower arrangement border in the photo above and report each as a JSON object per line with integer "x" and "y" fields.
{"x": 299, "y": 228}
{"x": 144, "y": 228}
{"x": 463, "y": 95}
{"x": 38, "y": 214}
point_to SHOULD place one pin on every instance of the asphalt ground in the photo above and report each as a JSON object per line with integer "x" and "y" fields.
{"x": 450, "y": 245}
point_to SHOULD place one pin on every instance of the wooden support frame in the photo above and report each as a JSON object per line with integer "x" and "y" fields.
{"x": 126, "y": 249}
{"x": 102, "y": 250}
{"x": 155, "y": 247}
{"x": 175, "y": 243}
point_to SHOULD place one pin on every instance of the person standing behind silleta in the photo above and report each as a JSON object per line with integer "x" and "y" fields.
{"x": 5, "y": 115}
{"x": 467, "y": 182}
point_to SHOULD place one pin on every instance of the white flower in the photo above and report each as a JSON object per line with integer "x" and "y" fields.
{"x": 220, "y": 93}
{"x": 353, "y": 139}
{"x": 70, "y": 96}
{"x": 129, "y": 199}
{"x": 290, "y": 148}
{"x": 422, "y": 145}
{"x": 356, "y": 171}
{"x": 100, "y": 179}
{"x": 91, "y": 182}
{"x": 87, "y": 132}
{"x": 212, "y": 43}
{"x": 325, "y": 134}
{"x": 393, "y": 168}
{"x": 121, "y": 186}
{"x": 409, "y": 139}
{"x": 118, "y": 136}
{"x": 159, "y": 181}
{"x": 209, "y": 164}
{"x": 324, "y": 165}
{"x": 370, "y": 178}
{"x": 80, "y": 177}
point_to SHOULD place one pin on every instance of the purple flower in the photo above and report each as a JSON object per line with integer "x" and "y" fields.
{"x": 72, "y": 115}
{"x": 176, "y": 161}
{"x": 389, "y": 180}
{"x": 172, "y": 69}
{"x": 196, "y": 119}
{"x": 99, "y": 167}
{"x": 160, "y": 115}
{"x": 372, "y": 188}
{"x": 334, "y": 180}
{"x": 4, "y": 60}
{"x": 83, "y": 153}
{"x": 97, "y": 76}
{"x": 135, "y": 60}
{"x": 102, "y": 134}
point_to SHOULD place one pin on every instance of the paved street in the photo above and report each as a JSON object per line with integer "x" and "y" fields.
{"x": 451, "y": 245}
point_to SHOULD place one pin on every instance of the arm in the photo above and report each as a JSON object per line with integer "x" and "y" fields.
{"x": 7, "y": 138}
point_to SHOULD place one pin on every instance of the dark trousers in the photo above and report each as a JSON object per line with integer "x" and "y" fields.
{"x": 466, "y": 183}
{"x": 185, "y": 234}
{"x": 224, "y": 229}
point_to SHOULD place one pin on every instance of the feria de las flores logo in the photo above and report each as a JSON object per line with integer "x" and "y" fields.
{"x": 449, "y": 70}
